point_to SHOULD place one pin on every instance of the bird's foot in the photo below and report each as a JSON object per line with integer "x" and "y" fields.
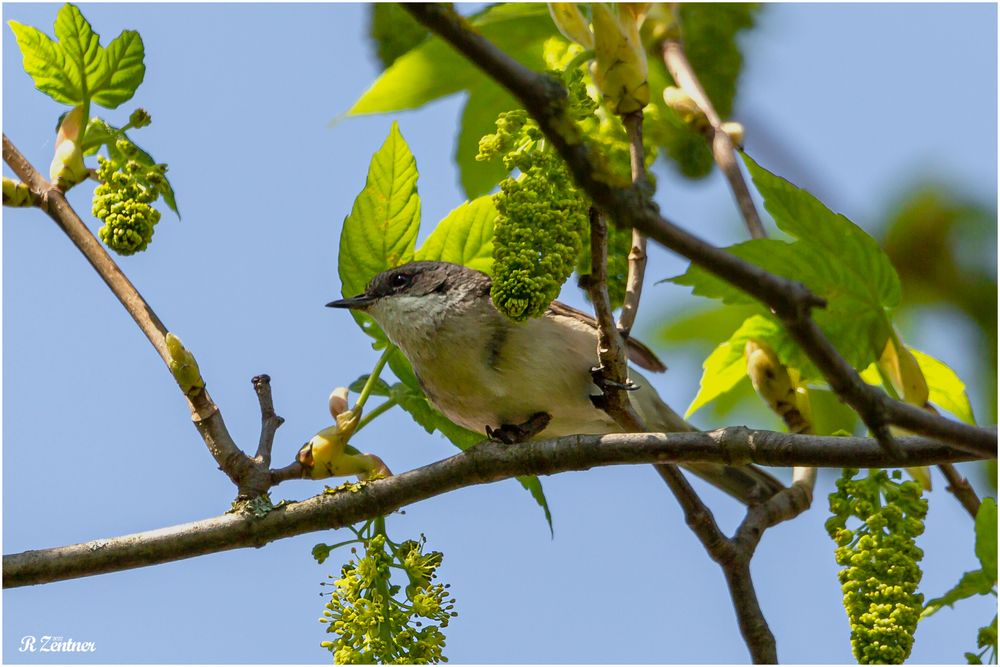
{"x": 604, "y": 383}
{"x": 511, "y": 434}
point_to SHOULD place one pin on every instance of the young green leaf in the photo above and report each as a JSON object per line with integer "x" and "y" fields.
{"x": 123, "y": 72}
{"x": 727, "y": 365}
{"x": 986, "y": 537}
{"x": 77, "y": 69}
{"x": 947, "y": 390}
{"x": 381, "y": 230}
{"x": 393, "y": 31}
{"x": 82, "y": 47}
{"x": 465, "y": 236}
{"x": 46, "y": 64}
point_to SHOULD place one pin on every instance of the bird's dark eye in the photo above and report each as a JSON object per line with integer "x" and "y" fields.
{"x": 400, "y": 280}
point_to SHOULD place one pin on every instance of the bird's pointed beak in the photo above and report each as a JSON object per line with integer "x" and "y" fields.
{"x": 359, "y": 302}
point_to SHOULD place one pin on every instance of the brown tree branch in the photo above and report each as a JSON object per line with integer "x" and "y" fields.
{"x": 269, "y": 421}
{"x": 484, "y": 463}
{"x": 960, "y": 487}
{"x": 545, "y": 99}
{"x": 733, "y": 557}
{"x": 612, "y": 375}
{"x": 251, "y": 479}
{"x": 637, "y": 254}
{"x": 722, "y": 145}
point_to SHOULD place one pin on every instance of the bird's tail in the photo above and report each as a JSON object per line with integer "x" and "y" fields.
{"x": 748, "y": 484}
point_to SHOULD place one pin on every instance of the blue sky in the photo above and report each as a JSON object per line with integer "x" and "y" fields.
{"x": 97, "y": 440}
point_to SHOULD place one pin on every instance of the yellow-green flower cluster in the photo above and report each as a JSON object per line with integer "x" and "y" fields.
{"x": 123, "y": 200}
{"x": 541, "y": 220}
{"x": 371, "y": 624}
{"x": 880, "y": 560}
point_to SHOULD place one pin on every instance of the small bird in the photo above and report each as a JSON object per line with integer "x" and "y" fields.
{"x": 514, "y": 380}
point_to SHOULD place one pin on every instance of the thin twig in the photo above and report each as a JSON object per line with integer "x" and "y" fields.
{"x": 612, "y": 375}
{"x": 791, "y": 301}
{"x": 249, "y": 478}
{"x": 637, "y": 253}
{"x": 960, "y": 487}
{"x": 722, "y": 145}
{"x": 269, "y": 421}
{"x": 484, "y": 463}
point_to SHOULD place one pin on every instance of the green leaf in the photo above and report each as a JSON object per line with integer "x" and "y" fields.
{"x": 534, "y": 486}
{"x": 833, "y": 257}
{"x": 972, "y": 583}
{"x": 77, "y": 69}
{"x": 123, "y": 71}
{"x": 703, "y": 324}
{"x": 82, "y": 47}
{"x": 465, "y": 236}
{"x": 710, "y": 31}
{"x": 379, "y": 388}
{"x": 986, "y": 537}
{"x": 947, "y": 391}
{"x": 727, "y": 365}
{"x": 393, "y": 31}
{"x": 434, "y": 69}
{"x": 46, "y": 64}
{"x": 848, "y": 247}
{"x": 381, "y": 230}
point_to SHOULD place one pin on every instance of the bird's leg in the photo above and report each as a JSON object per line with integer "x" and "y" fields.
{"x": 603, "y": 383}
{"x": 511, "y": 434}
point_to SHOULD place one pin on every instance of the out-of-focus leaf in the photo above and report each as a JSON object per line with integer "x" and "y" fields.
{"x": 709, "y": 32}
{"x": 972, "y": 583}
{"x": 479, "y": 117}
{"x": 986, "y": 536}
{"x": 393, "y": 31}
{"x": 947, "y": 390}
{"x": 434, "y": 69}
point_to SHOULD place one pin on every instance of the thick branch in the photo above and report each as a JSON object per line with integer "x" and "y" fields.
{"x": 486, "y": 462}
{"x": 545, "y": 99}
{"x": 204, "y": 412}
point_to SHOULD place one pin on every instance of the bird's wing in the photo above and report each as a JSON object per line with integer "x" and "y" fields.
{"x": 638, "y": 353}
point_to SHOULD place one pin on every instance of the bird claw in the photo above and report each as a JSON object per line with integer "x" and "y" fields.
{"x": 511, "y": 434}
{"x": 603, "y": 383}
